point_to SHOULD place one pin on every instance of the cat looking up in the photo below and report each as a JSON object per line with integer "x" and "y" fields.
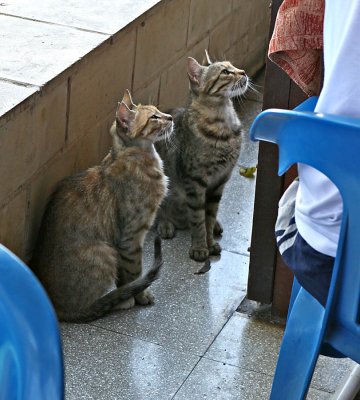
{"x": 93, "y": 230}
{"x": 206, "y": 145}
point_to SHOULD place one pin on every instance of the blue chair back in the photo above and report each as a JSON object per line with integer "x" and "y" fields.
{"x": 31, "y": 363}
{"x": 331, "y": 144}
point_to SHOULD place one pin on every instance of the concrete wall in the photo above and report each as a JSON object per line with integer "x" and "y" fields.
{"x": 64, "y": 127}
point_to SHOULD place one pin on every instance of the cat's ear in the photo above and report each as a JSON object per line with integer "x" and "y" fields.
{"x": 206, "y": 60}
{"x": 128, "y": 100}
{"x": 194, "y": 70}
{"x": 124, "y": 116}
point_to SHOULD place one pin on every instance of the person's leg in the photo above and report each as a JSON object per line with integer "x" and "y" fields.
{"x": 311, "y": 268}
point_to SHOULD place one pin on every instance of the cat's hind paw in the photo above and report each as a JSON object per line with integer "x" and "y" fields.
{"x": 126, "y": 304}
{"x": 145, "y": 297}
{"x": 166, "y": 229}
{"x": 218, "y": 229}
{"x": 215, "y": 249}
{"x": 198, "y": 253}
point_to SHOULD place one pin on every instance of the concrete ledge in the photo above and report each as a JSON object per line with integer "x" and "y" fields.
{"x": 64, "y": 65}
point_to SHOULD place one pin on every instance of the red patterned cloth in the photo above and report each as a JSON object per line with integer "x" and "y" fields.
{"x": 297, "y": 42}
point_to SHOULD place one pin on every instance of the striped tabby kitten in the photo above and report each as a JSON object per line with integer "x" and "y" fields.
{"x": 94, "y": 226}
{"x": 206, "y": 145}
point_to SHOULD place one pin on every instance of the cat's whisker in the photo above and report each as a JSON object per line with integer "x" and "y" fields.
{"x": 169, "y": 139}
{"x": 237, "y": 92}
{"x": 254, "y": 84}
{"x": 238, "y": 89}
{"x": 163, "y": 132}
{"x": 240, "y": 101}
{"x": 253, "y": 89}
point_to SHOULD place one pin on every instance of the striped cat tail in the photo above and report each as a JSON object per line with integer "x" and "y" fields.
{"x": 108, "y": 302}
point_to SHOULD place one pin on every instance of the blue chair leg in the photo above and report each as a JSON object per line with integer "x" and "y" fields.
{"x": 294, "y": 292}
{"x": 299, "y": 349}
{"x": 326, "y": 349}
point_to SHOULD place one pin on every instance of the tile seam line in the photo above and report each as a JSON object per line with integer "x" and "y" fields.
{"x": 139, "y": 338}
{"x": 107, "y": 34}
{"x": 312, "y": 386}
{"x": 202, "y": 356}
{"x": 122, "y": 333}
{"x": 240, "y": 367}
{"x": 186, "y": 378}
{"x": 243, "y": 254}
{"x": 166, "y": 347}
{"x": 20, "y": 83}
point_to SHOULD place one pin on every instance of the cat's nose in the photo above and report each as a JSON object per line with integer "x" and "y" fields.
{"x": 168, "y": 117}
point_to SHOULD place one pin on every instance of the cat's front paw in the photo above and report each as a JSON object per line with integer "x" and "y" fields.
{"x": 166, "y": 229}
{"x": 215, "y": 249}
{"x": 218, "y": 229}
{"x": 198, "y": 253}
{"x": 145, "y": 297}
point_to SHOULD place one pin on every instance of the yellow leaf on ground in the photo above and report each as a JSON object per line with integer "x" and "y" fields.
{"x": 247, "y": 172}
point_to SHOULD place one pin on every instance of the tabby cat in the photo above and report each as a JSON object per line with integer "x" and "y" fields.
{"x": 94, "y": 226}
{"x": 206, "y": 145}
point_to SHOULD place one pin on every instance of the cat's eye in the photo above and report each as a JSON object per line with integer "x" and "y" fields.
{"x": 155, "y": 117}
{"x": 226, "y": 72}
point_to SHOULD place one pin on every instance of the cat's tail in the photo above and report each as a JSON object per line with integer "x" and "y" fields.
{"x": 108, "y": 302}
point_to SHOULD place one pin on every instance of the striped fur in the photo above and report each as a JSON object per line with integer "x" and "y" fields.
{"x": 205, "y": 147}
{"x": 93, "y": 230}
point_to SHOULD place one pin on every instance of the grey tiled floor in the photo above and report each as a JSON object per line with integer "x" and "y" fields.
{"x": 191, "y": 344}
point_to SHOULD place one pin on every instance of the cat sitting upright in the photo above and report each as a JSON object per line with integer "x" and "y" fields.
{"x": 206, "y": 145}
{"x": 93, "y": 230}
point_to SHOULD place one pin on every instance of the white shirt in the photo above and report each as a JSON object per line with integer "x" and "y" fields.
{"x": 318, "y": 209}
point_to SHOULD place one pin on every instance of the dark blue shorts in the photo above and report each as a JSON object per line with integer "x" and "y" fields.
{"x": 312, "y": 269}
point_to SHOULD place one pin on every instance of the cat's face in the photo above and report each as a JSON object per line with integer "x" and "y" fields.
{"x": 150, "y": 123}
{"x": 142, "y": 121}
{"x": 219, "y": 78}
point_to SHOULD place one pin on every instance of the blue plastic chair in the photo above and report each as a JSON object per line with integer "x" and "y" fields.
{"x": 330, "y": 144}
{"x": 31, "y": 363}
